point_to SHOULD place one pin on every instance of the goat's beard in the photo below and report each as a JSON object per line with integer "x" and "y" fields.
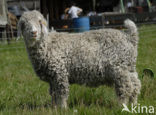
{"x": 31, "y": 42}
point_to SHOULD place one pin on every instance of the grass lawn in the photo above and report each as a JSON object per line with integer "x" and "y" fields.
{"x": 21, "y": 92}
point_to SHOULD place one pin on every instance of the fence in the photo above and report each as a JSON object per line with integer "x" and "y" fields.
{"x": 110, "y": 19}
{"x": 17, "y": 43}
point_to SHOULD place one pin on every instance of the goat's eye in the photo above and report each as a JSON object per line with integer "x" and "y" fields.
{"x": 40, "y": 21}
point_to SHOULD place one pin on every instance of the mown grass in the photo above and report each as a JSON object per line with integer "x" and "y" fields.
{"x": 21, "y": 92}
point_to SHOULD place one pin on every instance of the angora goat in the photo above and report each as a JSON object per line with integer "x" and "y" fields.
{"x": 91, "y": 58}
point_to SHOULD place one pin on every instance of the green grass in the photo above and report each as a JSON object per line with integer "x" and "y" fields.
{"x": 21, "y": 92}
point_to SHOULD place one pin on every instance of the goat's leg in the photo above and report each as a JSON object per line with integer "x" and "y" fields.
{"x": 53, "y": 97}
{"x": 123, "y": 85}
{"x": 136, "y": 88}
{"x": 59, "y": 88}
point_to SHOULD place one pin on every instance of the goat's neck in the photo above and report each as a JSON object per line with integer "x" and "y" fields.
{"x": 39, "y": 49}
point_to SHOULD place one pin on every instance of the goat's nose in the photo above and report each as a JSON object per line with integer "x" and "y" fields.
{"x": 33, "y": 32}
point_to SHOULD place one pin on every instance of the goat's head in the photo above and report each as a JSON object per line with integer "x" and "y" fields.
{"x": 33, "y": 26}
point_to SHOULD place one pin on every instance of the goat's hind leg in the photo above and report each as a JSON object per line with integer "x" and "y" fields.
{"x": 123, "y": 85}
{"x": 136, "y": 88}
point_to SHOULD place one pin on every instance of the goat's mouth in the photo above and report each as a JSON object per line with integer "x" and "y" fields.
{"x": 34, "y": 35}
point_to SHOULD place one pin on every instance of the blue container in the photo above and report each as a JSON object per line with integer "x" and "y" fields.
{"x": 81, "y": 24}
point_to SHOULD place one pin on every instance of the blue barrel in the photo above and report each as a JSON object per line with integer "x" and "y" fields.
{"x": 81, "y": 24}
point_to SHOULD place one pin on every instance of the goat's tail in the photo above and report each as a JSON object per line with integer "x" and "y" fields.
{"x": 132, "y": 31}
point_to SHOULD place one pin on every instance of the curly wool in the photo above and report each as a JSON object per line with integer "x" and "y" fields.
{"x": 93, "y": 58}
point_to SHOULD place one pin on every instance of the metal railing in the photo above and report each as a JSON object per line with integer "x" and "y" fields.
{"x": 18, "y": 44}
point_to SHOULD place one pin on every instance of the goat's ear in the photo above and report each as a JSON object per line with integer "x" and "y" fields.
{"x": 43, "y": 25}
{"x": 43, "y": 22}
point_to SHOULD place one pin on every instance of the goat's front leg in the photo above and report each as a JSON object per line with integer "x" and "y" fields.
{"x": 52, "y": 93}
{"x": 59, "y": 88}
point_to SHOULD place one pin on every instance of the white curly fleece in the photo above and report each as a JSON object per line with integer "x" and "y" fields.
{"x": 92, "y": 58}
